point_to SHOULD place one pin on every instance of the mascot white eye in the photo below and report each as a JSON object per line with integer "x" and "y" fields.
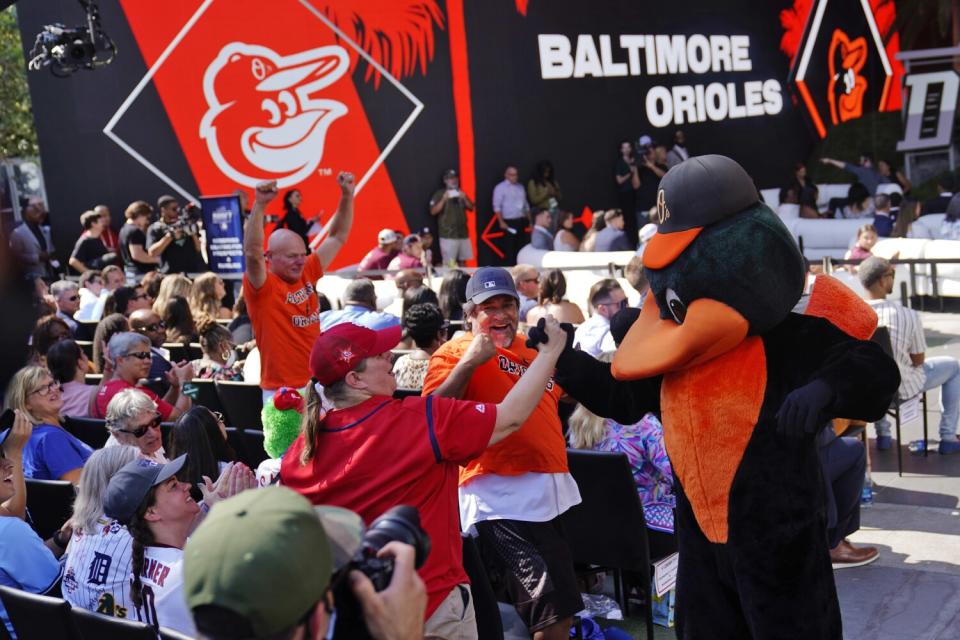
{"x": 289, "y": 103}
{"x": 271, "y": 108}
{"x": 677, "y": 309}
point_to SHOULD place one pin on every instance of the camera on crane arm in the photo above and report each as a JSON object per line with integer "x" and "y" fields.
{"x": 65, "y": 49}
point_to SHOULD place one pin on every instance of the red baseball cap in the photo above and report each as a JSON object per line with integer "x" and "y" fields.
{"x": 340, "y": 349}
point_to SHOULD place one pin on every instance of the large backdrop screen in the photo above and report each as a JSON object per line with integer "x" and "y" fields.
{"x": 208, "y": 96}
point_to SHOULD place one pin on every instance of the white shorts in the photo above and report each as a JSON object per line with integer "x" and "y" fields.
{"x": 455, "y": 250}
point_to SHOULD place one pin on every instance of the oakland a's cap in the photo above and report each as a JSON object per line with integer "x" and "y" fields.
{"x": 692, "y": 195}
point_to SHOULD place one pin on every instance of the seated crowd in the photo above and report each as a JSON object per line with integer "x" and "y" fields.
{"x": 484, "y": 447}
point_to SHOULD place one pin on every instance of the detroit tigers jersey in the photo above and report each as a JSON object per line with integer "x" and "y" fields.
{"x": 164, "y": 604}
{"x": 97, "y": 570}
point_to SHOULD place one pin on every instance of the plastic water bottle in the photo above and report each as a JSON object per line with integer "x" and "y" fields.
{"x": 917, "y": 446}
{"x": 866, "y": 496}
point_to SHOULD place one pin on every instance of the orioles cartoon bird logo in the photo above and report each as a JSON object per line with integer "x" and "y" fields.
{"x": 265, "y": 117}
{"x": 846, "y": 87}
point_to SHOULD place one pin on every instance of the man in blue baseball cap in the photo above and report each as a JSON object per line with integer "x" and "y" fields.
{"x": 512, "y": 494}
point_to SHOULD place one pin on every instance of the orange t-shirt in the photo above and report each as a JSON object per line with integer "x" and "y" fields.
{"x": 538, "y": 446}
{"x": 286, "y": 322}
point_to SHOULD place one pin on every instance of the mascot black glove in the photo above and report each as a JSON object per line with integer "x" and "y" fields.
{"x": 538, "y": 334}
{"x": 802, "y": 412}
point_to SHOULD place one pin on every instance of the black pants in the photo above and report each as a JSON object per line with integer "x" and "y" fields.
{"x": 513, "y": 242}
{"x": 627, "y": 200}
{"x": 844, "y": 462}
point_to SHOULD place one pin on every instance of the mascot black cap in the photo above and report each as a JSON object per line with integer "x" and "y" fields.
{"x": 706, "y": 189}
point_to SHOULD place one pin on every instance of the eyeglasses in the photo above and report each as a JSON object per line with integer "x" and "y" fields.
{"x": 141, "y": 431}
{"x": 142, "y": 355}
{"x": 46, "y": 389}
{"x": 621, "y": 305}
{"x": 156, "y": 326}
{"x": 73, "y": 298}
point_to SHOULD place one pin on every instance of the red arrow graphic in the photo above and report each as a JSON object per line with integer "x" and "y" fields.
{"x": 487, "y": 236}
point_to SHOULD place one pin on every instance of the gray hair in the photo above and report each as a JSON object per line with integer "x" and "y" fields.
{"x": 125, "y": 406}
{"x": 871, "y": 270}
{"x": 361, "y": 290}
{"x": 60, "y": 287}
{"x": 123, "y": 343}
{"x": 96, "y": 474}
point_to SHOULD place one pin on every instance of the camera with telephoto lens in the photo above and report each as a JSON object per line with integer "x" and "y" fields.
{"x": 400, "y": 523}
{"x": 187, "y": 221}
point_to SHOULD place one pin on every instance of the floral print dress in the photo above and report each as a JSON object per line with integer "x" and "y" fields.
{"x": 643, "y": 445}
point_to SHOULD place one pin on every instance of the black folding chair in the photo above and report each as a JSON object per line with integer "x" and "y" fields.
{"x": 38, "y": 617}
{"x": 86, "y": 329}
{"x": 97, "y": 625}
{"x": 242, "y": 403}
{"x": 49, "y": 504}
{"x": 178, "y": 351}
{"x": 207, "y": 394}
{"x": 92, "y": 431}
{"x": 87, "y": 347}
{"x": 607, "y": 530}
{"x": 170, "y": 634}
{"x": 881, "y": 336}
{"x": 248, "y": 443}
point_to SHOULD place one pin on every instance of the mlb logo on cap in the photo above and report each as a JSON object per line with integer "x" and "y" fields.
{"x": 487, "y": 282}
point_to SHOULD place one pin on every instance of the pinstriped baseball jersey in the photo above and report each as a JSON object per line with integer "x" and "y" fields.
{"x": 97, "y": 570}
{"x": 906, "y": 337}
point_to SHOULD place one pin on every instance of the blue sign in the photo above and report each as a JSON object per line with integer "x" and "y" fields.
{"x": 224, "y": 226}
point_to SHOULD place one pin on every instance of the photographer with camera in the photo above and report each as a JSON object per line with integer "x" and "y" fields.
{"x": 266, "y": 564}
{"x": 175, "y": 237}
{"x": 373, "y": 452}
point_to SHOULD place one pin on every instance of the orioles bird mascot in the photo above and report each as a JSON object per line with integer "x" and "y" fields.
{"x": 743, "y": 386}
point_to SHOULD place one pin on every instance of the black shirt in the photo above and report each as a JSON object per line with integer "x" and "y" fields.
{"x": 89, "y": 251}
{"x": 131, "y": 234}
{"x": 294, "y": 221}
{"x": 180, "y": 256}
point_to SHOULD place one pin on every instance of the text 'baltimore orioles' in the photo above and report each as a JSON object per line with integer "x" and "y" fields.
{"x": 660, "y": 55}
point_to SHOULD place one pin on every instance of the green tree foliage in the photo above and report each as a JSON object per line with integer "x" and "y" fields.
{"x": 17, "y": 134}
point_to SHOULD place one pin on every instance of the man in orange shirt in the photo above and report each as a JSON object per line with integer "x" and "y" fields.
{"x": 279, "y": 287}
{"x": 514, "y": 492}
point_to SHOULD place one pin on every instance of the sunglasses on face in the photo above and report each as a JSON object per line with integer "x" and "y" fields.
{"x": 73, "y": 298}
{"x": 141, "y": 431}
{"x": 46, "y": 389}
{"x": 141, "y": 355}
{"x": 157, "y": 326}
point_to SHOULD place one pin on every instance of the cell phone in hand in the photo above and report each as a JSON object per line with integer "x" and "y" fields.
{"x": 6, "y": 419}
{"x": 453, "y": 193}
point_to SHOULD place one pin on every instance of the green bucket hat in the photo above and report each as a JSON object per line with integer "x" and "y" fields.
{"x": 266, "y": 556}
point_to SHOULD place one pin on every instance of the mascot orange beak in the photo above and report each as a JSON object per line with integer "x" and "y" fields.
{"x": 655, "y": 346}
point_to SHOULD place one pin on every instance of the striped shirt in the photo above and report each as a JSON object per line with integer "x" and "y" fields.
{"x": 906, "y": 337}
{"x": 97, "y": 570}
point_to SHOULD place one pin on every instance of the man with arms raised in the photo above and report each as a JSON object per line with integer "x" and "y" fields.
{"x": 280, "y": 288}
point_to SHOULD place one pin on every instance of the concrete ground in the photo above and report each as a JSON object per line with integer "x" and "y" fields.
{"x": 912, "y": 592}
